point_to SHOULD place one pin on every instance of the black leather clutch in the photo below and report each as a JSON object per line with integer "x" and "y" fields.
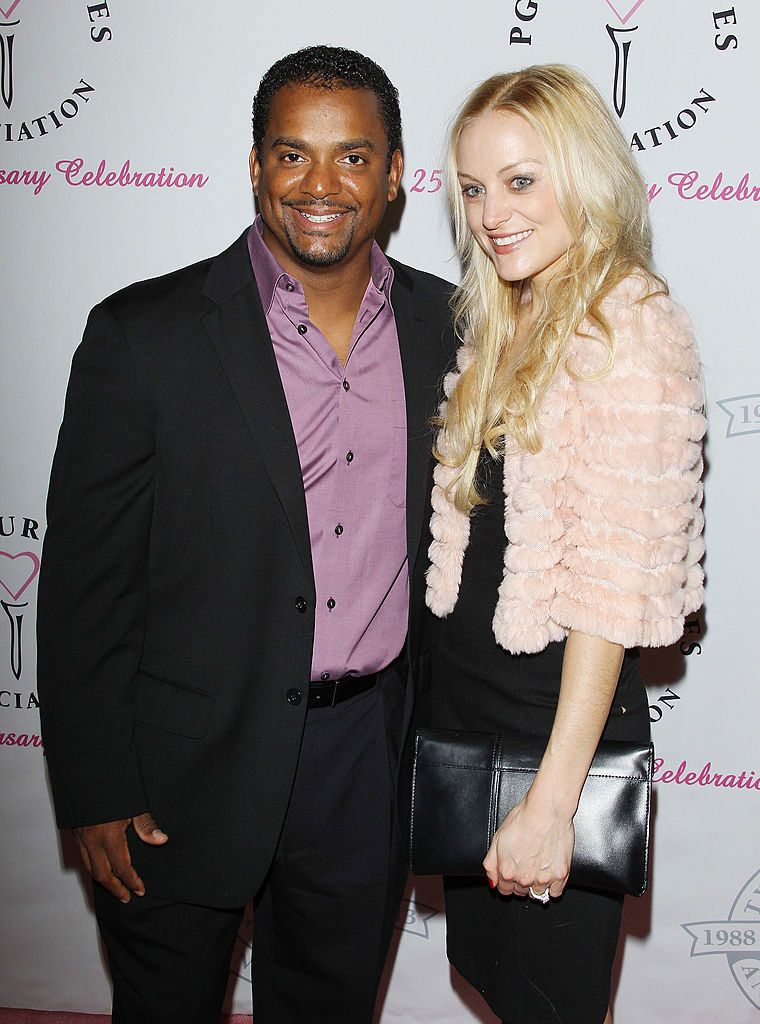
{"x": 465, "y": 783}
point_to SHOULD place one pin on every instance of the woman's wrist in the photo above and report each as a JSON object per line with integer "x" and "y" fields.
{"x": 555, "y": 797}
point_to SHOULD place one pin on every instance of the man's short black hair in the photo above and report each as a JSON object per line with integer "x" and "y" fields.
{"x": 329, "y": 67}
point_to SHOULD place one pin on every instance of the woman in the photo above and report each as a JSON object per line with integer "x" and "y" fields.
{"x": 566, "y": 517}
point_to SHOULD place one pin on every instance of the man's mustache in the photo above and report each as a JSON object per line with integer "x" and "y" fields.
{"x": 316, "y": 204}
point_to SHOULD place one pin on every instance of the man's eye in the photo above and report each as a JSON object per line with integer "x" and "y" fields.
{"x": 291, "y": 158}
{"x": 354, "y": 159}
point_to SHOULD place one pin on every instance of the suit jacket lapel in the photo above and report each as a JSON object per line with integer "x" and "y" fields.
{"x": 238, "y": 331}
{"x": 420, "y": 384}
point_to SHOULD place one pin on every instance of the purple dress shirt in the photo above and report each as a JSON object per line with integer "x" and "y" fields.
{"x": 350, "y": 427}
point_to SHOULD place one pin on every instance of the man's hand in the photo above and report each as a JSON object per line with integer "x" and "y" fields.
{"x": 105, "y": 853}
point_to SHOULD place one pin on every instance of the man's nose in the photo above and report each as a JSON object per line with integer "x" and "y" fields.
{"x": 321, "y": 179}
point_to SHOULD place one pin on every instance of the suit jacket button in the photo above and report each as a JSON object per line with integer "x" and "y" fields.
{"x": 301, "y": 604}
{"x": 294, "y": 696}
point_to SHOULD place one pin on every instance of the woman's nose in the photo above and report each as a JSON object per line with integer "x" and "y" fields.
{"x": 496, "y": 210}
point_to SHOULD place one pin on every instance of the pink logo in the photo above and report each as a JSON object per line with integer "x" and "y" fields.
{"x": 7, "y": 14}
{"x": 18, "y": 572}
{"x": 630, "y": 13}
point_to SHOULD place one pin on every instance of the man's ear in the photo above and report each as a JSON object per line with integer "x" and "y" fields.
{"x": 394, "y": 175}
{"x": 255, "y": 167}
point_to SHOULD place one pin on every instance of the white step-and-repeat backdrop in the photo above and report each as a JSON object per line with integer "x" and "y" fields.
{"x": 124, "y": 138}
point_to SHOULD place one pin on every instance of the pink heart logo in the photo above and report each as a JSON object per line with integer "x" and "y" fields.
{"x": 631, "y": 10}
{"x": 19, "y": 571}
{"x": 11, "y": 9}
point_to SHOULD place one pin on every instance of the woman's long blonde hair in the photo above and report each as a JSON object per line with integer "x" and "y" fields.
{"x": 602, "y": 197}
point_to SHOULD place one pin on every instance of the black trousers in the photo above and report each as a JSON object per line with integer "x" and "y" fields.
{"x": 323, "y": 918}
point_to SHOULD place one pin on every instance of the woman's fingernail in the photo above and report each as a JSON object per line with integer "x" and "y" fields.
{"x": 491, "y": 883}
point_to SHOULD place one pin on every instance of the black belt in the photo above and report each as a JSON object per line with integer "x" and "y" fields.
{"x": 335, "y": 691}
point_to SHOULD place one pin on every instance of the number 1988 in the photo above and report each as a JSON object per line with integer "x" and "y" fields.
{"x": 730, "y": 937}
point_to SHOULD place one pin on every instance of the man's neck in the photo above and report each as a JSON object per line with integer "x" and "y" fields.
{"x": 334, "y": 301}
{"x": 333, "y": 294}
{"x": 341, "y": 285}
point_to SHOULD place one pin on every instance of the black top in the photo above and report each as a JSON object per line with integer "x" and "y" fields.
{"x": 533, "y": 964}
{"x": 474, "y": 678}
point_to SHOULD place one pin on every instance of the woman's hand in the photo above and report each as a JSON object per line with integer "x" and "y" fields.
{"x": 532, "y": 847}
{"x": 534, "y": 844}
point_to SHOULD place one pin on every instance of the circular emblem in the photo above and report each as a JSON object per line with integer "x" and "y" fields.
{"x": 737, "y": 937}
{"x": 40, "y": 96}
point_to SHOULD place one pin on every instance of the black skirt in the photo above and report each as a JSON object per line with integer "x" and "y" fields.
{"x": 534, "y": 964}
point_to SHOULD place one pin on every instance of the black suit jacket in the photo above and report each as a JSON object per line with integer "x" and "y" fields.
{"x": 176, "y": 599}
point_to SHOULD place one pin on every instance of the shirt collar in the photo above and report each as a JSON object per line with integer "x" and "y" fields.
{"x": 380, "y": 270}
{"x": 269, "y": 273}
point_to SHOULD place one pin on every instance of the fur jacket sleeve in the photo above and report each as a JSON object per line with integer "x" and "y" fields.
{"x": 603, "y": 524}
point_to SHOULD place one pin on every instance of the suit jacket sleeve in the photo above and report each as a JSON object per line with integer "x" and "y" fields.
{"x": 93, "y": 583}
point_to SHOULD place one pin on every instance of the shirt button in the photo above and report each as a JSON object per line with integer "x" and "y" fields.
{"x": 325, "y": 676}
{"x": 294, "y": 696}
{"x": 289, "y": 286}
{"x": 331, "y": 603}
{"x": 302, "y": 328}
{"x": 338, "y": 530}
{"x": 346, "y": 385}
{"x": 349, "y": 456}
{"x": 301, "y": 604}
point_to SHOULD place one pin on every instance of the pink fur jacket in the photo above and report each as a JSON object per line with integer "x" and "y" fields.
{"x": 604, "y": 523}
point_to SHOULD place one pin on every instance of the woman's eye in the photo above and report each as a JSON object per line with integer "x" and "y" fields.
{"x": 521, "y": 182}
{"x": 472, "y": 191}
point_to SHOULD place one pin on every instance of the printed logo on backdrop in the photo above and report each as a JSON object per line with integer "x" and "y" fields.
{"x": 744, "y": 780}
{"x": 690, "y": 644}
{"x": 27, "y": 31}
{"x": 629, "y": 49}
{"x": 625, "y": 26}
{"x": 241, "y": 963}
{"x": 415, "y": 917}
{"x": 735, "y": 937}
{"x": 743, "y": 415}
{"x": 19, "y": 45}
{"x": 6, "y": 52}
{"x": 525, "y": 13}
{"x": 718, "y": 30}
{"x": 621, "y": 40}
{"x": 19, "y": 567}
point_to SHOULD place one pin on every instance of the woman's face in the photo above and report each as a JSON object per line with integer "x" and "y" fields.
{"x": 509, "y": 198}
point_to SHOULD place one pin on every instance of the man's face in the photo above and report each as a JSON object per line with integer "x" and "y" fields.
{"x": 322, "y": 178}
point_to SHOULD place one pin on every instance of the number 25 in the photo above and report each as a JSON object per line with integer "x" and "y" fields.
{"x": 419, "y": 177}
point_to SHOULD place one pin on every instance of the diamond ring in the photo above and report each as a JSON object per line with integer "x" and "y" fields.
{"x": 542, "y": 897}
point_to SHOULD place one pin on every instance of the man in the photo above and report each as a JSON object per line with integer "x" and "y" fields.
{"x": 236, "y": 507}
